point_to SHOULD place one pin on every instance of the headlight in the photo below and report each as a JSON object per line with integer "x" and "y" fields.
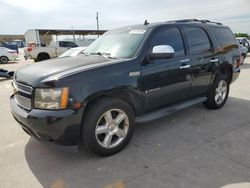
{"x": 56, "y": 98}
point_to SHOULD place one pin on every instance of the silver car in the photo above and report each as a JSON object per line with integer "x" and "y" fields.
{"x": 243, "y": 53}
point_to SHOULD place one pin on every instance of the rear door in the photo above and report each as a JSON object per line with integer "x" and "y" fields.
{"x": 166, "y": 81}
{"x": 202, "y": 58}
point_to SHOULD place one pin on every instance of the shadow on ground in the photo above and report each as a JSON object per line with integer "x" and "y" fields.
{"x": 4, "y": 79}
{"x": 177, "y": 139}
{"x": 10, "y": 62}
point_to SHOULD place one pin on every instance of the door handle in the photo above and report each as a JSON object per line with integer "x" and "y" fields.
{"x": 184, "y": 60}
{"x": 214, "y": 60}
{"x": 185, "y": 66}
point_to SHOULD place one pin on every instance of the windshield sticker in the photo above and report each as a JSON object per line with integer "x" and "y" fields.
{"x": 140, "y": 32}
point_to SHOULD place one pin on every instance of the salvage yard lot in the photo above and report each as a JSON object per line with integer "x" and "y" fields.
{"x": 195, "y": 147}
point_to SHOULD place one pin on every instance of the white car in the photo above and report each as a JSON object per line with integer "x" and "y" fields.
{"x": 73, "y": 52}
{"x": 7, "y": 55}
{"x": 55, "y": 49}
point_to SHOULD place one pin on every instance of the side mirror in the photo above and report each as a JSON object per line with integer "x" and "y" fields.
{"x": 162, "y": 52}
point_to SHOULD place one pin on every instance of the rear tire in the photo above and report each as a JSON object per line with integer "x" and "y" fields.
{"x": 108, "y": 126}
{"x": 218, "y": 93}
{"x": 4, "y": 59}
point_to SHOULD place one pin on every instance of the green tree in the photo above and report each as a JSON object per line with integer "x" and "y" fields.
{"x": 241, "y": 35}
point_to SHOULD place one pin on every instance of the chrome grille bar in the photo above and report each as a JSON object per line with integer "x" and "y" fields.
{"x": 22, "y": 95}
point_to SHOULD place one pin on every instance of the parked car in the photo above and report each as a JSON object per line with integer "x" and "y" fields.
{"x": 132, "y": 74}
{"x": 18, "y": 43}
{"x": 6, "y": 74}
{"x": 243, "y": 52}
{"x": 53, "y": 50}
{"x": 73, "y": 52}
{"x": 7, "y": 55}
{"x": 244, "y": 42}
{"x": 9, "y": 46}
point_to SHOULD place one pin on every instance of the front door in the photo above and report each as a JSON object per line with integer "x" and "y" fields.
{"x": 166, "y": 81}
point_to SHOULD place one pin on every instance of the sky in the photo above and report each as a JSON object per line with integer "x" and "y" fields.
{"x": 17, "y": 16}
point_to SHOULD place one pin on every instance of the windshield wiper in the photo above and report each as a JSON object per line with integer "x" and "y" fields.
{"x": 84, "y": 53}
{"x": 104, "y": 54}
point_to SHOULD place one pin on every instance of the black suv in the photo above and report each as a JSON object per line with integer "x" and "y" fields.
{"x": 129, "y": 75}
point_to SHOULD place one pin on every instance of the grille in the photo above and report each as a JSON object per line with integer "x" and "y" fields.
{"x": 22, "y": 94}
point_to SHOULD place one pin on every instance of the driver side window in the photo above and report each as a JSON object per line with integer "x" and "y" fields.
{"x": 171, "y": 37}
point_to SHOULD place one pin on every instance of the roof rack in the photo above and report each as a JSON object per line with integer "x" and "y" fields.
{"x": 195, "y": 20}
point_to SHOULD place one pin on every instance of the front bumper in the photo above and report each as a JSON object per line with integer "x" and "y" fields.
{"x": 61, "y": 127}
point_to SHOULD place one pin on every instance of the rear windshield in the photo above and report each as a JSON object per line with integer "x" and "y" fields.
{"x": 224, "y": 36}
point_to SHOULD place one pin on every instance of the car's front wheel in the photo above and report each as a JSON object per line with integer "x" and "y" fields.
{"x": 108, "y": 126}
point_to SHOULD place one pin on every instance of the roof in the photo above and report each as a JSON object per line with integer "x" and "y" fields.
{"x": 69, "y": 32}
{"x": 184, "y": 21}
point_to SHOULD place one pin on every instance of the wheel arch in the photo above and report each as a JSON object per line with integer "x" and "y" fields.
{"x": 126, "y": 94}
{"x": 42, "y": 54}
{"x": 226, "y": 69}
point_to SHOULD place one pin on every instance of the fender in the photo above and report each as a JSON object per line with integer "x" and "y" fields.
{"x": 128, "y": 94}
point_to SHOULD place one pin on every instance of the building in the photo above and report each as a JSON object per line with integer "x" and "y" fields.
{"x": 11, "y": 37}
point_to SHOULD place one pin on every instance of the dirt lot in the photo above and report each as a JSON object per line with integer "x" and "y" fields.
{"x": 193, "y": 148}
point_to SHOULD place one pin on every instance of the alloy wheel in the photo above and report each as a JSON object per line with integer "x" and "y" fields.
{"x": 112, "y": 128}
{"x": 221, "y": 92}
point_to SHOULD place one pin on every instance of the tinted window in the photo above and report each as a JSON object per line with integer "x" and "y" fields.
{"x": 67, "y": 44}
{"x": 224, "y": 36}
{"x": 171, "y": 37}
{"x": 198, "y": 40}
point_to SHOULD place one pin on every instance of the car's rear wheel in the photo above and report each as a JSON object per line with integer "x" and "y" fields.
{"x": 218, "y": 93}
{"x": 4, "y": 59}
{"x": 108, "y": 126}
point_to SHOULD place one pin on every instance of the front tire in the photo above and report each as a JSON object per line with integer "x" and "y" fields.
{"x": 108, "y": 126}
{"x": 218, "y": 93}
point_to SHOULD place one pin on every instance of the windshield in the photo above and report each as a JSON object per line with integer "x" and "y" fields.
{"x": 122, "y": 43}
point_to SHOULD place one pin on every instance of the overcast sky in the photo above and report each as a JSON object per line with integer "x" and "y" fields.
{"x": 17, "y": 16}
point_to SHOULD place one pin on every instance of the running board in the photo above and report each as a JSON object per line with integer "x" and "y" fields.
{"x": 168, "y": 110}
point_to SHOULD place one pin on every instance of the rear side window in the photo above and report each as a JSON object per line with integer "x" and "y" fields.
{"x": 67, "y": 44}
{"x": 223, "y": 36}
{"x": 198, "y": 40}
{"x": 171, "y": 37}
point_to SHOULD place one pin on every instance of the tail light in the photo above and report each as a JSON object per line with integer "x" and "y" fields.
{"x": 238, "y": 61}
{"x": 29, "y": 49}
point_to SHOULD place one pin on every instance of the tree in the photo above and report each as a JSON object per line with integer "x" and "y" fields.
{"x": 241, "y": 35}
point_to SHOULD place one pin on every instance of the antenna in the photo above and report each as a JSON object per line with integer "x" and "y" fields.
{"x": 146, "y": 22}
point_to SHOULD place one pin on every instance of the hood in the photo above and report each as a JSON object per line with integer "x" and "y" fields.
{"x": 58, "y": 68}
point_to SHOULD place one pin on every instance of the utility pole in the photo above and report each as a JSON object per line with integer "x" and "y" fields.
{"x": 73, "y": 32}
{"x": 97, "y": 22}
